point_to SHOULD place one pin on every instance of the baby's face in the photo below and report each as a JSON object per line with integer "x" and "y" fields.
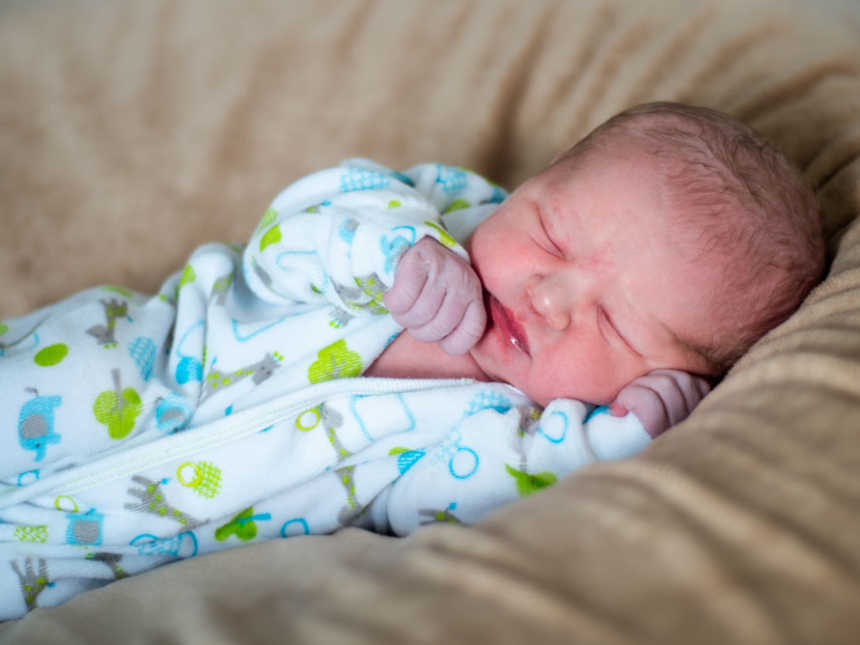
{"x": 584, "y": 290}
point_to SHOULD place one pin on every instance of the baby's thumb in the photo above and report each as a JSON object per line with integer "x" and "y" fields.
{"x": 647, "y": 407}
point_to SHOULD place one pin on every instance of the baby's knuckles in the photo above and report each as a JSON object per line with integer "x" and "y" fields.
{"x": 443, "y": 292}
{"x": 647, "y": 405}
{"x": 449, "y": 270}
{"x": 662, "y": 398}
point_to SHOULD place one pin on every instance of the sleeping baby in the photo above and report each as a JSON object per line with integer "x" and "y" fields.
{"x": 569, "y": 322}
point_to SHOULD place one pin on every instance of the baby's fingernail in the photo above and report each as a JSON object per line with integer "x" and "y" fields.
{"x": 617, "y": 410}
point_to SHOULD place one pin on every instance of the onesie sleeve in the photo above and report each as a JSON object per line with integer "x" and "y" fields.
{"x": 462, "y": 197}
{"x": 451, "y": 188}
{"x": 336, "y": 236}
{"x": 498, "y": 454}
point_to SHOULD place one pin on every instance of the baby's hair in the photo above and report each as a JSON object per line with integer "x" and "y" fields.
{"x": 750, "y": 204}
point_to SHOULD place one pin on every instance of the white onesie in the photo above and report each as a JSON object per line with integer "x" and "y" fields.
{"x": 136, "y": 430}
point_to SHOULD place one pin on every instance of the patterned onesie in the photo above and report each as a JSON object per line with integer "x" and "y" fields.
{"x": 137, "y": 430}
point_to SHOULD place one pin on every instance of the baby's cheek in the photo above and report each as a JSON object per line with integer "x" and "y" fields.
{"x": 586, "y": 376}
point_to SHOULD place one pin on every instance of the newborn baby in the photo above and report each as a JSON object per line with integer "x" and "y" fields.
{"x": 629, "y": 274}
{"x": 658, "y": 248}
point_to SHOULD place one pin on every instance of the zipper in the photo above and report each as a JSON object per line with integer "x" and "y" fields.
{"x": 212, "y": 435}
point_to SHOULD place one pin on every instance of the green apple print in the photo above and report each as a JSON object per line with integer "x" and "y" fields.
{"x": 51, "y": 355}
{"x": 335, "y": 361}
{"x": 118, "y": 408}
{"x": 456, "y": 205}
{"x": 120, "y": 290}
{"x": 528, "y": 484}
{"x": 188, "y": 276}
{"x": 269, "y": 217}
{"x": 3, "y": 328}
{"x": 242, "y": 526}
{"x": 444, "y": 236}
{"x": 272, "y": 236}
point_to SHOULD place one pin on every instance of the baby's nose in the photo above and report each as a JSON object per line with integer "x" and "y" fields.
{"x": 551, "y": 301}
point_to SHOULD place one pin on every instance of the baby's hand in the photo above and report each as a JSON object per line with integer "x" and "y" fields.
{"x": 438, "y": 297}
{"x": 660, "y": 399}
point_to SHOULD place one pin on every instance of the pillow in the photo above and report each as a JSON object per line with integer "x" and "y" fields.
{"x": 134, "y": 131}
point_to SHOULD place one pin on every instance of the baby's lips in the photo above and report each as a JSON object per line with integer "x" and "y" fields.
{"x": 508, "y": 325}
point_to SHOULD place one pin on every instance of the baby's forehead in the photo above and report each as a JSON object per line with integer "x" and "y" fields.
{"x": 627, "y": 180}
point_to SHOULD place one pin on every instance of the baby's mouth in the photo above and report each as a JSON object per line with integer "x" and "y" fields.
{"x": 507, "y": 324}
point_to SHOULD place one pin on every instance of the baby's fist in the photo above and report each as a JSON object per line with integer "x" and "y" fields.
{"x": 438, "y": 297}
{"x": 661, "y": 398}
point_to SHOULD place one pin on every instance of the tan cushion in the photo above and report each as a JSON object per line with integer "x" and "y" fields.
{"x": 133, "y": 131}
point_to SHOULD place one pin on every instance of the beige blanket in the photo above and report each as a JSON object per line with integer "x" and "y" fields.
{"x": 132, "y": 131}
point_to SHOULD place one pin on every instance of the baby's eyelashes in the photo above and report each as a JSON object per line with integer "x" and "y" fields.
{"x": 610, "y": 332}
{"x": 549, "y": 244}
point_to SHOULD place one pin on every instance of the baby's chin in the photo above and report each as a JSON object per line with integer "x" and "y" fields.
{"x": 544, "y": 396}
{"x": 483, "y": 371}
{"x": 478, "y": 371}
{"x": 545, "y": 399}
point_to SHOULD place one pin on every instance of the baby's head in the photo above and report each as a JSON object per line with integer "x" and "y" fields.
{"x": 670, "y": 237}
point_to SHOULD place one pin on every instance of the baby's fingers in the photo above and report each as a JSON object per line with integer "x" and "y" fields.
{"x": 468, "y": 331}
{"x": 691, "y": 387}
{"x": 409, "y": 282}
{"x": 437, "y": 297}
{"x": 424, "y": 310}
{"x": 646, "y": 404}
{"x": 662, "y": 398}
{"x": 456, "y": 325}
